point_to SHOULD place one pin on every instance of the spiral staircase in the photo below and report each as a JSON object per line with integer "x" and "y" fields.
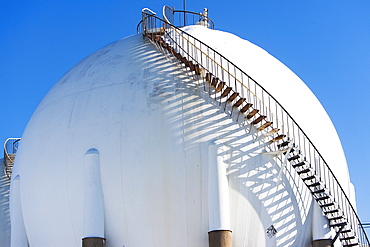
{"x": 251, "y": 106}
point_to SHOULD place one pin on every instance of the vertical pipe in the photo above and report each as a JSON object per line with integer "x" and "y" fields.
{"x": 93, "y": 202}
{"x": 321, "y": 233}
{"x": 184, "y": 12}
{"x": 18, "y": 231}
{"x": 219, "y": 234}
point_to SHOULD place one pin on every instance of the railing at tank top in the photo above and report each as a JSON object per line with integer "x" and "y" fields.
{"x": 213, "y": 62}
{"x": 178, "y": 18}
{"x": 181, "y": 18}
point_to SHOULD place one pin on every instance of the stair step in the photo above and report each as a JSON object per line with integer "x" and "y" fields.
{"x": 220, "y": 86}
{"x": 264, "y": 126}
{"x": 208, "y": 77}
{"x": 291, "y": 150}
{"x": 278, "y": 138}
{"x": 153, "y": 37}
{"x": 185, "y": 61}
{"x": 339, "y": 224}
{"x": 307, "y": 170}
{"x": 346, "y": 231}
{"x": 214, "y": 81}
{"x": 252, "y": 113}
{"x": 259, "y": 119}
{"x": 294, "y": 157}
{"x": 308, "y": 178}
{"x": 332, "y": 211}
{"x": 314, "y": 184}
{"x": 170, "y": 49}
{"x": 177, "y": 55}
{"x": 239, "y": 102}
{"x": 329, "y": 204}
{"x": 323, "y": 198}
{"x": 271, "y": 132}
{"x": 283, "y": 144}
{"x": 246, "y": 107}
{"x": 336, "y": 218}
{"x": 318, "y": 191}
{"x": 232, "y": 97}
{"x": 197, "y": 69}
{"x": 226, "y": 92}
{"x": 164, "y": 44}
{"x": 191, "y": 66}
{"x": 299, "y": 164}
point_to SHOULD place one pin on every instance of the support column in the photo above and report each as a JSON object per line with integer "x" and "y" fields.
{"x": 93, "y": 242}
{"x": 322, "y": 243}
{"x": 219, "y": 238}
{"x": 93, "y": 201}
{"x": 219, "y": 234}
{"x": 18, "y": 231}
{"x": 321, "y": 233}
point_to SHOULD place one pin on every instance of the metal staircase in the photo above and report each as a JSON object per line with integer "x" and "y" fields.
{"x": 10, "y": 150}
{"x": 251, "y": 106}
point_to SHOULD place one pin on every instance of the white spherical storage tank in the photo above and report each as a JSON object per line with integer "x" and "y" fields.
{"x": 133, "y": 147}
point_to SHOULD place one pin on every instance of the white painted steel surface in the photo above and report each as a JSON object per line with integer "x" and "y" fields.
{"x": 18, "y": 231}
{"x": 218, "y": 189}
{"x": 152, "y": 124}
{"x": 93, "y": 201}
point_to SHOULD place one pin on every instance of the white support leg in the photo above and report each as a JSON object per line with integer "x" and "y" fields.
{"x": 18, "y": 231}
{"x": 93, "y": 201}
{"x": 218, "y": 199}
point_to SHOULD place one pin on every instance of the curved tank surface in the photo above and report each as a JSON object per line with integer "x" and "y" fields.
{"x": 124, "y": 147}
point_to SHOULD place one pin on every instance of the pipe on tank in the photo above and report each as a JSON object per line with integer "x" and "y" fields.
{"x": 321, "y": 233}
{"x": 18, "y": 231}
{"x": 93, "y": 201}
{"x": 219, "y": 234}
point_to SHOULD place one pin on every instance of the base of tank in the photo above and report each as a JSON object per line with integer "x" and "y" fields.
{"x": 93, "y": 242}
{"x": 322, "y": 243}
{"x": 220, "y": 238}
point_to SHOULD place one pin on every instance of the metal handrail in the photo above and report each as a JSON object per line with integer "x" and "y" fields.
{"x": 14, "y": 146}
{"x": 10, "y": 147}
{"x": 317, "y": 161}
{"x": 201, "y": 17}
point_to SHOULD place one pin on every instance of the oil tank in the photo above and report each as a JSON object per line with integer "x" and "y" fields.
{"x": 130, "y": 148}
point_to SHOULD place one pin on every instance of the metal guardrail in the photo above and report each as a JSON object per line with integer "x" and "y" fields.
{"x": 181, "y": 18}
{"x": 213, "y": 62}
{"x": 10, "y": 149}
{"x": 178, "y": 18}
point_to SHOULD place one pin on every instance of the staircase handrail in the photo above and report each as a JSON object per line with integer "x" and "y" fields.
{"x": 6, "y": 151}
{"x": 8, "y": 158}
{"x": 345, "y": 202}
{"x": 202, "y": 17}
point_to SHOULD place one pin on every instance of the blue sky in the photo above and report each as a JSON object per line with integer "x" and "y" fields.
{"x": 326, "y": 43}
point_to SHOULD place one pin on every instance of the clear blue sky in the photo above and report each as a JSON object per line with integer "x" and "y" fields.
{"x": 326, "y": 43}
